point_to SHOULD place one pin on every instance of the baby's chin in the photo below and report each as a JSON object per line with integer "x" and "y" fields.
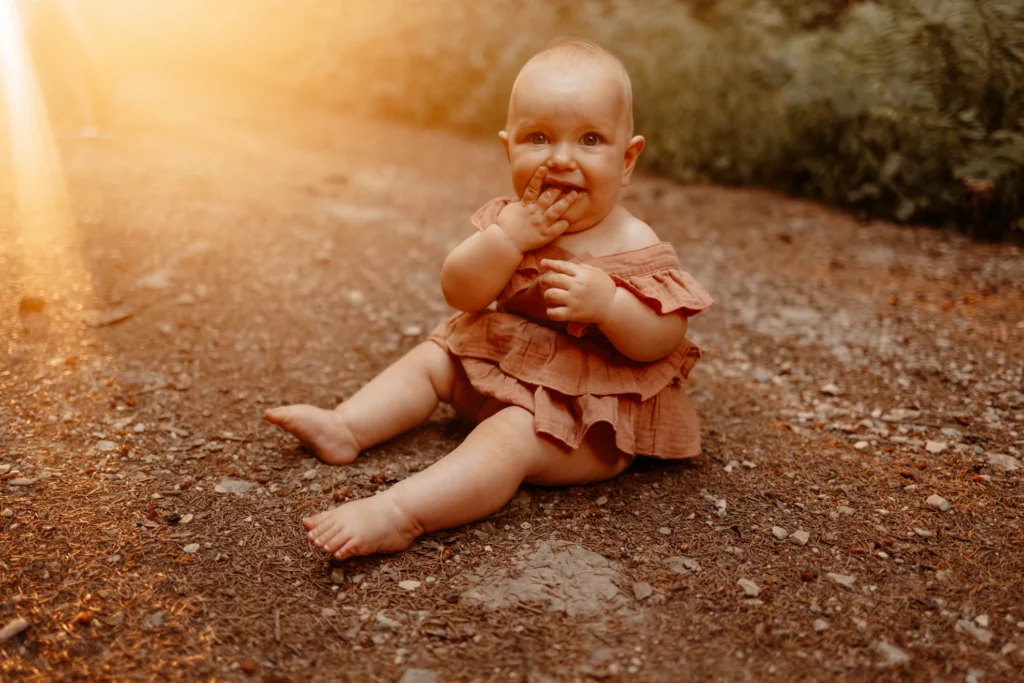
{"x": 583, "y": 216}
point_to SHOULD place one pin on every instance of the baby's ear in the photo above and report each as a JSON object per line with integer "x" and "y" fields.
{"x": 633, "y": 149}
{"x": 504, "y": 140}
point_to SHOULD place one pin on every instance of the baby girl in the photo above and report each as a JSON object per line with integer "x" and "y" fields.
{"x": 580, "y": 365}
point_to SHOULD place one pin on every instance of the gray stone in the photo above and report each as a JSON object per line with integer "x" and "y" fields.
{"x": 842, "y": 579}
{"x": 1006, "y": 462}
{"x": 980, "y": 634}
{"x": 235, "y": 486}
{"x": 780, "y": 533}
{"x": 418, "y": 676}
{"x": 939, "y": 503}
{"x": 750, "y": 588}
{"x": 13, "y": 628}
{"x": 642, "y": 591}
{"x": 682, "y": 565}
{"x": 891, "y": 655}
{"x": 800, "y": 537}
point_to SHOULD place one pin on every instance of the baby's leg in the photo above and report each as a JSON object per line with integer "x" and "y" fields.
{"x": 401, "y": 397}
{"x": 474, "y": 480}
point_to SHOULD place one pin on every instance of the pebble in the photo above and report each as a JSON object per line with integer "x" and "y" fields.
{"x": 936, "y": 447}
{"x": 1007, "y": 462}
{"x": 113, "y": 559}
{"x": 830, "y": 390}
{"x": 924, "y": 533}
{"x": 665, "y": 531}
{"x": 8, "y": 512}
{"x": 309, "y": 474}
{"x": 981, "y": 620}
{"x": 139, "y": 428}
{"x": 980, "y": 634}
{"x": 891, "y": 655}
{"x": 4, "y": 469}
{"x": 386, "y": 623}
{"x": 191, "y": 548}
{"x": 820, "y": 625}
{"x": 418, "y": 676}
{"x": 939, "y": 503}
{"x": 800, "y": 537}
{"x": 780, "y": 533}
{"x": 337, "y": 575}
{"x": 750, "y": 588}
{"x": 844, "y": 510}
{"x": 186, "y": 518}
{"x": 861, "y": 445}
{"x": 409, "y": 585}
{"x": 237, "y": 486}
{"x": 682, "y": 565}
{"x": 13, "y": 628}
{"x": 22, "y": 481}
{"x": 327, "y": 612}
{"x": 642, "y": 590}
{"x": 105, "y": 445}
{"x": 842, "y": 579}
{"x": 603, "y": 500}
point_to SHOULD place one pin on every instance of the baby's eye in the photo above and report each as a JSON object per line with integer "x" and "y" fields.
{"x": 538, "y": 138}
{"x": 591, "y": 139}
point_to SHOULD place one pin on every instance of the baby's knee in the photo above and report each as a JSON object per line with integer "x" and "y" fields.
{"x": 511, "y": 430}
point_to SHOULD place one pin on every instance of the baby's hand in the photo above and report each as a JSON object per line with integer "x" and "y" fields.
{"x": 535, "y": 221}
{"x": 577, "y": 292}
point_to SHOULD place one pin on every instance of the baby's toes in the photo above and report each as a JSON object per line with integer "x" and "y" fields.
{"x": 335, "y": 540}
{"x": 348, "y": 550}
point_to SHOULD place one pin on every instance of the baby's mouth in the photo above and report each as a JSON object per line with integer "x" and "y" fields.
{"x": 563, "y": 188}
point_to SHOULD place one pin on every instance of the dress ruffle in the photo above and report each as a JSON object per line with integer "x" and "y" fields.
{"x": 570, "y": 376}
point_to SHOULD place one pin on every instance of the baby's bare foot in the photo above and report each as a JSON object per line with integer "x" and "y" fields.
{"x": 363, "y": 527}
{"x": 322, "y": 430}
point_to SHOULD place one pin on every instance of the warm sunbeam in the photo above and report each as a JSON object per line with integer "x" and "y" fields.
{"x": 43, "y": 218}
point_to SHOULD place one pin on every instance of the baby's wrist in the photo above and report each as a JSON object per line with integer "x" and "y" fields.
{"x": 507, "y": 237}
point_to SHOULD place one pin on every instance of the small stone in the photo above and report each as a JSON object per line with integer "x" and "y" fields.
{"x": 337, "y": 575}
{"x": 13, "y": 628}
{"x": 665, "y": 531}
{"x": 924, "y": 533}
{"x": 750, "y": 588}
{"x": 327, "y": 612}
{"x": 191, "y": 548}
{"x": 830, "y": 390}
{"x": 682, "y": 565}
{"x": 891, "y": 655}
{"x": 800, "y": 537}
{"x": 409, "y": 585}
{"x": 642, "y": 591}
{"x": 844, "y": 510}
{"x": 8, "y": 512}
{"x": 943, "y": 576}
{"x": 418, "y": 676}
{"x": 412, "y": 330}
{"x": 936, "y": 447}
{"x": 1006, "y": 462}
{"x": 980, "y": 634}
{"x": 939, "y": 503}
{"x": 4, "y": 469}
{"x": 386, "y": 623}
{"x": 105, "y": 445}
{"x": 780, "y": 533}
{"x": 603, "y": 500}
{"x": 156, "y": 619}
{"x": 185, "y": 519}
{"x": 22, "y": 481}
{"x": 820, "y": 625}
{"x": 309, "y": 474}
{"x": 861, "y": 445}
{"x": 842, "y": 579}
{"x": 113, "y": 559}
{"x": 139, "y": 428}
{"x": 981, "y": 620}
{"x": 236, "y": 486}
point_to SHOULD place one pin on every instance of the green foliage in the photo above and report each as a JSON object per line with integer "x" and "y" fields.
{"x": 912, "y": 109}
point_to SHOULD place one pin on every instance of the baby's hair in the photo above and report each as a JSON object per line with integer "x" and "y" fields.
{"x": 584, "y": 49}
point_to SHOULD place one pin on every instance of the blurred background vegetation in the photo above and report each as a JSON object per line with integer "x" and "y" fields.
{"x": 907, "y": 109}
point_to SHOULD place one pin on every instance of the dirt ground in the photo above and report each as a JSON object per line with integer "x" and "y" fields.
{"x": 233, "y": 253}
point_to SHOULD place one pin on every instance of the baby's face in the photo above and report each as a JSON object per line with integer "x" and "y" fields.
{"x": 575, "y": 121}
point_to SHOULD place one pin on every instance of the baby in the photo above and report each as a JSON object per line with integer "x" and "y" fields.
{"x": 579, "y": 367}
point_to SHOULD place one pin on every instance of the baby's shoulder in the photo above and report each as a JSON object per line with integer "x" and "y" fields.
{"x": 631, "y": 234}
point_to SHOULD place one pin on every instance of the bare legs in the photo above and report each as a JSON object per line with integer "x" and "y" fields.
{"x": 471, "y": 482}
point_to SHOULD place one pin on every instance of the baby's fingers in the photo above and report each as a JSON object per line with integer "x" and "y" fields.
{"x": 557, "y": 297}
{"x": 533, "y": 187}
{"x": 561, "y": 206}
{"x": 560, "y": 313}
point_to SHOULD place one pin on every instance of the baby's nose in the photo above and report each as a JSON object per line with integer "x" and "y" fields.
{"x": 562, "y": 158}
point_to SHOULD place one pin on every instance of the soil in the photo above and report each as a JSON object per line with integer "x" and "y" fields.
{"x": 232, "y": 253}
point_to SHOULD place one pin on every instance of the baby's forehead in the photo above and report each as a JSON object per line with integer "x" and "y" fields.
{"x": 548, "y": 77}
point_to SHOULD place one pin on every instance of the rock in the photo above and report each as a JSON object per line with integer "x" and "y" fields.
{"x": 386, "y": 623}
{"x": 665, "y": 531}
{"x": 418, "y": 676}
{"x": 186, "y": 518}
{"x": 236, "y": 486}
{"x": 22, "y": 481}
{"x": 309, "y": 474}
{"x": 943, "y": 576}
{"x": 4, "y": 469}
{"x": 842, "y": 579}
{"x": 800, "y": 537}
{"x": 820, "y": 625}
{"x": 891, "y": 655}
{"x": 981, "y": 620}
{"x": 337, "y": 576}
{"x": 861, "y": 445}
{"x": 603, "y": 500}
{"x": 750, "y": 589}
{"x": 780, "y": 533}
{"x": 13, "y": 628}
{"x": 327, "y": 612}
{"x": 980, "y": 634}
{"x": 682, "y": 565}
{"x": 924, "y": 533}
{"x": 1006, "y": 462}
{"x": 191, "y": 548}
{"x": 113, "y": 559}
{"x": 830, "y": 390}
{"x": 936, "y": 447}
{"x": 642, "y": 591}
{"x": 106, "y": 446}
{"x": 939, "y": 503}
{"x": 409, "y": 585}
{"x": 8, "y": 513}
{"x": 156, "y": 619}
{"x": 844, "y": 510}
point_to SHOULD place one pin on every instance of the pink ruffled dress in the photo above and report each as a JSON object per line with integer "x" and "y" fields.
{"x": 569, "y": 375}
